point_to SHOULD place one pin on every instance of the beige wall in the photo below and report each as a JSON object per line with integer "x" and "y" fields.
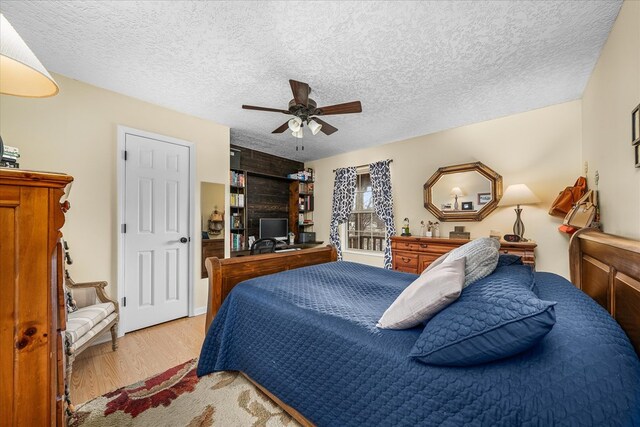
{"x": 75, "y": 132}
{"x": 539, "y": 148}
{"x": 612, "y": 92}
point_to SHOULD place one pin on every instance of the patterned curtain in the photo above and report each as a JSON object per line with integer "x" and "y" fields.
{"x": 383, "y": 202}
{"x": 344, "y": 193}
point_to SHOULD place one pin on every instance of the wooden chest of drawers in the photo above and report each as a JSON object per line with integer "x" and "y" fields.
{"x": 32, "y": 306}
{"x": 414, "y": 254}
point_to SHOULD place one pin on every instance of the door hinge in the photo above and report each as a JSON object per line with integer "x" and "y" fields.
{"x": 124, "y": 301}
{"x": 125, "y": 155}
{"x": 124, "y": 228}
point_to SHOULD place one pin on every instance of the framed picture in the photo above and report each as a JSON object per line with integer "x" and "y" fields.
{"x": 637, "y": 147}
{"x": 484, "y": 198}
{"x": 446, "y": 206}
{"x": 467, "y": 206}
{"x": 635, "y": 126}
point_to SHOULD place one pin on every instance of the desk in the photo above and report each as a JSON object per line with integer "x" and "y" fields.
{"x": 309, "y": 245}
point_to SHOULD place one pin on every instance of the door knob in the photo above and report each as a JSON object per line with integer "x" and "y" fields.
{"x": 183, "y": 240}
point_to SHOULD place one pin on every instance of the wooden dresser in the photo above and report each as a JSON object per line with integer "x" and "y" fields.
{"x": 211, "y": 248}
{"x": 32, "y": 306}
{"x": 414, "y": 254}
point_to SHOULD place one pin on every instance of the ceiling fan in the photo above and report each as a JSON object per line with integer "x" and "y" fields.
{"x": 305, "y": 110}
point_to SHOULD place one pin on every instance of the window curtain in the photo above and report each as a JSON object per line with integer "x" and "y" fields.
{"x": 383, "y": 202}
{"x": 344, "y": 193}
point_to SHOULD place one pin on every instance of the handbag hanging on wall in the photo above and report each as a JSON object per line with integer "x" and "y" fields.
{"x": 568, "y": 198}
{"x": 583, "y": 213}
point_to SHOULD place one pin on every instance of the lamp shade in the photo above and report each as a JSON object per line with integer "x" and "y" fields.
{"x": 314, "y": 126}
{"x": 295, "y": 124}
{"x": 456, "y": 191}
{"x": 21, "y": 74}
{"x": 518, "y": 194}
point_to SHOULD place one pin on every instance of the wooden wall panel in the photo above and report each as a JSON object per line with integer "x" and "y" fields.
{"x": 259, "y": 162}
{"x": 595, "y": 281}
{"x": 626, "y": 308}
{"x": 266, "y": 198}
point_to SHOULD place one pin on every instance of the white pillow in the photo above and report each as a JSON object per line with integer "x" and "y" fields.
{"x": 481, "y": 258}
{"x": 425, "y": 297}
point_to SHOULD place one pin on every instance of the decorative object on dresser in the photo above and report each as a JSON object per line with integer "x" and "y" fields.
{"x": 516, "y": 195}
{"x": 459, "y": 233}
{"x": 33, "y": 306}
{"x": 443, "y": 192}
{"x": 415, "y": 254}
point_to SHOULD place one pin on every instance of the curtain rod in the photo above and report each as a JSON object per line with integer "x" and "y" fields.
{"x": 361, "y": 166}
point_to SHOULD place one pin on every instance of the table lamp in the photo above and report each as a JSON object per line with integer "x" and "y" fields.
{"x": 21, "y": 74}
{"x": 516, "y": 195}
{"x": 456, "y": 192}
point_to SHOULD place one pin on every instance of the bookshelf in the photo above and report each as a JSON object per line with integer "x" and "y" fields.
{"x": 301, "y": 205}
{"x": 237, "y": 204}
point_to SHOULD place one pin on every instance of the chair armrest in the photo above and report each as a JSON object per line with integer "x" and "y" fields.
{"x": 98, "y": 286}
{"x": 73, "y": 285}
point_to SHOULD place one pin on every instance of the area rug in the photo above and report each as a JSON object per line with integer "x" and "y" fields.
{"x": 177, "y": 397}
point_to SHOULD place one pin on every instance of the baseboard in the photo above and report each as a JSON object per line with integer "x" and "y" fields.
{"x": 199, "y": 311}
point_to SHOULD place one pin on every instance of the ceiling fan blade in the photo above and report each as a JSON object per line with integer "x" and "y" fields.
{"x": 346, "y": 108}
{"x": 300, "y": 92}
{"x": 282, "y": 128}
{"x": 275, "y": 110}
{"x": 326, "y": 128}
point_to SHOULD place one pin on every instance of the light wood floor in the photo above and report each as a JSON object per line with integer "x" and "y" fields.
{"x": 140, "y": 354}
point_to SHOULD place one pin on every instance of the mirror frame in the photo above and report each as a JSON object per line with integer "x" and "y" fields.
{"x": 482, "y": 169}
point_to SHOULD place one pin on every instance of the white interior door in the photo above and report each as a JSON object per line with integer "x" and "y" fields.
{"x": 156, "y": 217}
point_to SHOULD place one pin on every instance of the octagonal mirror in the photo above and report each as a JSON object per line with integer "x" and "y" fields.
{"x": 467, "y": 192}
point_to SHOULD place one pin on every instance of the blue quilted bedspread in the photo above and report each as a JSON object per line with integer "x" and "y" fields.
{"x": 309, "y": 336}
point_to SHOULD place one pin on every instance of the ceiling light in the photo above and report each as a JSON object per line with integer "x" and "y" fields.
{"x": 314, "y": 126}
{"x": 295, "y": 124}
{"x": 298, "y": 133}
{"x": 22, "y": 73}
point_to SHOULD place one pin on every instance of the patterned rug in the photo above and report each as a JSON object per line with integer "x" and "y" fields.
{"x": 177, "y": 397}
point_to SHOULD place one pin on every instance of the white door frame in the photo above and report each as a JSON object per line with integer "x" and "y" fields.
{"x": 120, "y": 163}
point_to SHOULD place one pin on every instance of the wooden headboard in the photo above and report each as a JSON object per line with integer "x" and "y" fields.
{"x": 607, "y": 268}
{"x": 224, "y": 274}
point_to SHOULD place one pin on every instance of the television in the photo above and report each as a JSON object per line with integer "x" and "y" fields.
{"x": 274, "y": 228}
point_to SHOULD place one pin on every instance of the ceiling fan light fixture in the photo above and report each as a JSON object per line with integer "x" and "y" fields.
{"x": 314, "y": 126}
{"x": 299, "y": 133}
{"x": 295, "y": 124}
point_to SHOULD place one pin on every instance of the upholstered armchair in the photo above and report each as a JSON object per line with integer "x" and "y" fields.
{"x": 85, "y": 325}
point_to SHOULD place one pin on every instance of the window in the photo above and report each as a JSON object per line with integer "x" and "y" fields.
{"x": 365, "y": 231}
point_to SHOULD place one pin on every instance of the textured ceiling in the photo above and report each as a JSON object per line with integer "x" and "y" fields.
{"x": 417, "y": 67}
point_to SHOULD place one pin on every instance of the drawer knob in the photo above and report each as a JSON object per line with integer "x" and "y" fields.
{"x": 406, "y": 259}
{"x": 424, "y": 245}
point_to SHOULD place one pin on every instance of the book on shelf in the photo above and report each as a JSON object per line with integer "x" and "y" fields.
{"x": 12, "y": 165}
{"x": 305, "y": 188}
{"x": 237, "y": 241}
{"x": 237, "y": 179}
{"x": 237, "y": 200}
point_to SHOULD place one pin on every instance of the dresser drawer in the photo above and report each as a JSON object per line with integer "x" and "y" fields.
{"x": 405, "y": 261}
{"x": 527, "y": 256}
{"x": 410, "y": 246}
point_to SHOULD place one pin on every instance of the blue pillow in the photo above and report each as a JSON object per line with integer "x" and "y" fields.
{"x": 494, "y": 318}
{"x": 508, "y": 259}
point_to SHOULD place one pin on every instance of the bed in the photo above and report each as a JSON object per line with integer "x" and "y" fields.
{"x": 307, "y": 337}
